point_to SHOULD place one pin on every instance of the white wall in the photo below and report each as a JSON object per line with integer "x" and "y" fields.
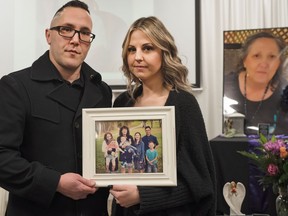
{"x": 7, "y": 36}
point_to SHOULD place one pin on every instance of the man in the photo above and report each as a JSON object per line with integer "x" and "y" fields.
{"x": 149, "y": 137}
{"x": 41, "y": 124}
{"x": 146, "y": 139}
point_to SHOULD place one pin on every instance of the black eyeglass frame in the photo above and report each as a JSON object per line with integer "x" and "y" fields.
{"x": 58, "y": 29}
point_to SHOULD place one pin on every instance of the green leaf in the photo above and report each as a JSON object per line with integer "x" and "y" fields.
{"x": 252, "y": 156}
{"x": 283, "y": 179}
{"x": 273, "y": 138}
{"x": 285, "y": 167}
{"x": 263, "y": 139}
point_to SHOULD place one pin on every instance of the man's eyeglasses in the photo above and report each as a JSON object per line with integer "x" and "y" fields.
{"x": 68, "y": 32}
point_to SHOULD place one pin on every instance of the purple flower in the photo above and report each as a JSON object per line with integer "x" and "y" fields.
{"x": 272, "y": 169}
{"x": 274, "y": 147}
{"x": 268, "y": 156}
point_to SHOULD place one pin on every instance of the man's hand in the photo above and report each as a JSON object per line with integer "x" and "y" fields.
{"x": 75, "y": 186}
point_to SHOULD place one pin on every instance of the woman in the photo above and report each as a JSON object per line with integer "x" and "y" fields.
{"x": 139, "y": 159}
{"x": 156, "y": 77}
{"x": 110, "y": 149}
{"x": 258, "y": 83}
{"x": 124, "y": 132}
{"x": 126, "y": 157}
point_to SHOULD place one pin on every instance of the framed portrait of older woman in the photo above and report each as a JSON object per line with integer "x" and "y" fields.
{"x": 255, "y": 80}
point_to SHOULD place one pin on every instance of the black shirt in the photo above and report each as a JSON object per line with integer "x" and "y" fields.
{"x": 268, "y": 112}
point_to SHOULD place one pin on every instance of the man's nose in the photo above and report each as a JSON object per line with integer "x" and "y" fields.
{"x": 75, "y": 38}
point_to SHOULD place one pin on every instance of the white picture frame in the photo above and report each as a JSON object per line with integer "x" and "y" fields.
{"x": 97, "y": 121}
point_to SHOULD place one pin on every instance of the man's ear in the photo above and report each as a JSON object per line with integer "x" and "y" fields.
{"x": 48, "y": 36}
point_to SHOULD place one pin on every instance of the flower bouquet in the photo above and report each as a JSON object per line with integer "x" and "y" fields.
{"x": 271, "y": 157}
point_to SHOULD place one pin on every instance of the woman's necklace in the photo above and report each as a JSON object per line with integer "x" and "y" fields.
{"x": 260, "y": 103}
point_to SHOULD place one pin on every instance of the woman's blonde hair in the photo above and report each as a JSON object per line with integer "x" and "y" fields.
{"x": 174, "y": 72}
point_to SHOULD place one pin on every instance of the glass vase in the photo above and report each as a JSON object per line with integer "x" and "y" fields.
{"x": 282, "y": 202}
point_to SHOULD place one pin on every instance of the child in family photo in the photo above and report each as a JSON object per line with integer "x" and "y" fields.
{"x": 151, "y": 157}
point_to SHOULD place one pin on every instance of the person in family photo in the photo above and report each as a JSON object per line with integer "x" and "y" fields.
{"x": 146, "y": 139}
{"x": 111, "y": 149}
{"x": 149, "y": 136}
{"x": 124, "y": 132}
{"x": 127, "y": 154}
{"x": 139, "y": 159}
{"x": 151, "y": 158}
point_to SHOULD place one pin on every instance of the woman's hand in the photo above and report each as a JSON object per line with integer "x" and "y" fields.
{"x": 125, "y": 195}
